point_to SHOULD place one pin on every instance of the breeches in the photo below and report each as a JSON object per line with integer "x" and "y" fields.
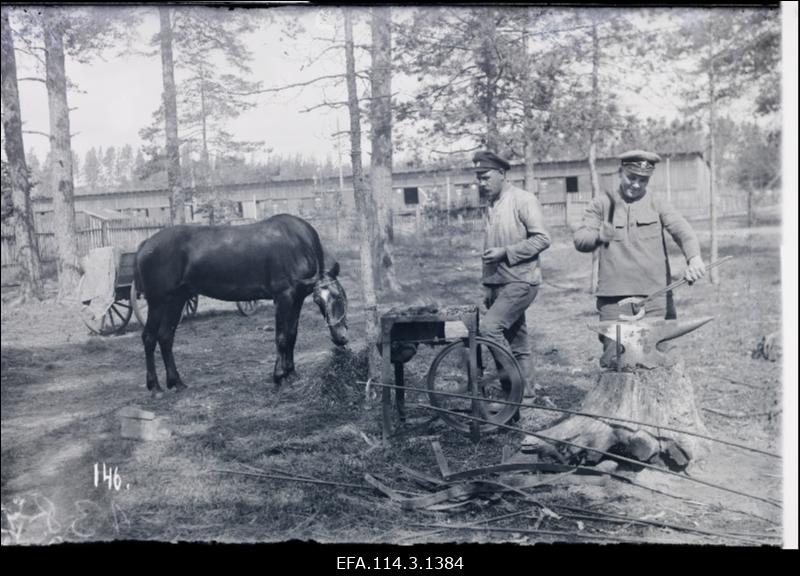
{"x": 505, "y": 321}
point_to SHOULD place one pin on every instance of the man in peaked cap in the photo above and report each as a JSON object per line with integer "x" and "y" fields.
{"x": 627, "y": 228}
{"x": 514, "y": 237}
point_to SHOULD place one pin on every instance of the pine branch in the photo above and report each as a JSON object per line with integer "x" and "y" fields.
{"x": 298, "y": 84}
{"x": 29, "y": 52}
{"x": 325, "y": 105}
{"x": 37, "y": 133}
{"x": 316, "y": 58}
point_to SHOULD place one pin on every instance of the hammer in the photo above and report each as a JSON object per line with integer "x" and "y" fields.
{"x": 639, "y": 304}
{"x": 610, "y": 209}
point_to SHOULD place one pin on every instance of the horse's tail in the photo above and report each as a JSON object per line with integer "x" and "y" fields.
{"x": 137, "y": 274}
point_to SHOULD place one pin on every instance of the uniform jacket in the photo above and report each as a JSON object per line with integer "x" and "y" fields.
{"x": 515, "y": 222}
{"x": 633, "y": 262}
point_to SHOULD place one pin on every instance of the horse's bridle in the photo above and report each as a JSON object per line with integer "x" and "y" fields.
{"x": 343, "y": 318}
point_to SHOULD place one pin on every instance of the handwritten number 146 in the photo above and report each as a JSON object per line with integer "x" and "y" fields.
{"x": 108, "y": 475}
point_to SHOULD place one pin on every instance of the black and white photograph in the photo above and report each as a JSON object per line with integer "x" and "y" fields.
{"x": 415, "y": 279}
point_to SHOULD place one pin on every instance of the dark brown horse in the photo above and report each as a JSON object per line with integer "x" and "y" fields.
{"x": 279, "y": 259}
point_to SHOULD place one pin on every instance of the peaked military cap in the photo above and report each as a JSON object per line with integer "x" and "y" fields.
{"x": 484, "y": 160}
{"x": 639, "y": 162}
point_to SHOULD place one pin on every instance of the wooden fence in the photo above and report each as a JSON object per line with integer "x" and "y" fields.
{"x": 123, "y": 235}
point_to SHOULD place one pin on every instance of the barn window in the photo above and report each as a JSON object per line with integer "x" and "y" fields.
{"x": 411, "y": 195}
{"x": 572, "y": 183}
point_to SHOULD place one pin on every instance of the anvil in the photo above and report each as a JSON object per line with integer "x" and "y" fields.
{"x": 641, "y": 341}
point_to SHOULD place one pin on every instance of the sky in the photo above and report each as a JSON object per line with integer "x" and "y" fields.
{"x": 117, "y": 94}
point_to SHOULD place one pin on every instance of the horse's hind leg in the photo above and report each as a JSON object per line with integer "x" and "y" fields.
{"x": 150, "y": 339}
{"x": 166, "y": 335}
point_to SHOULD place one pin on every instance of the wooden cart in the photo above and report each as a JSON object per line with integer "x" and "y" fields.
{"x": 128, "y": 301}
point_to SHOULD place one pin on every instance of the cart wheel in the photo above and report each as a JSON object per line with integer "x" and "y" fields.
{"x": 248, "y": 307}
{"x": 112, "y": 322}
{"x": 190, "y": 309}
{"x": 498, "y": 377}
{"x": 139, "y": 304}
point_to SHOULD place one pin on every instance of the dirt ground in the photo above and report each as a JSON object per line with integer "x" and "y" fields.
{"x": 63, "y": 389}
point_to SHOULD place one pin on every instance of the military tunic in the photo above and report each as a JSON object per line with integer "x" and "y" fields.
{"x": 633, "y": 262}
{"x": 515, "y": 222}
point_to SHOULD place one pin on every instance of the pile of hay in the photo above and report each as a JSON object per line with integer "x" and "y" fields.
{"x": 340, "y": 377}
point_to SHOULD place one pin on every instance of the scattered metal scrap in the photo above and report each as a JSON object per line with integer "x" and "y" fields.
{"x": 456, "y": 487}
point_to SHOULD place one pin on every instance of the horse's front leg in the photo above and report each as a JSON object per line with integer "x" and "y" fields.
{"x": 287, "y": 315}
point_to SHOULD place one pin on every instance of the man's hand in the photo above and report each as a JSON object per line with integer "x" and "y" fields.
{"x": 695, "y": 270}
{"x": 492, "y": 255}
{"x": 606, "y": 233}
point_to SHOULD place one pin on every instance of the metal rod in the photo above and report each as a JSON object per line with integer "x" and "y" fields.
{"x": 619, "y": 348}
{"x": 680, "y": 282}
{"x": 301, "y": 479}
{"x": 587, "y": 414}
{"x": 576, "y": 535}
{"x": 581, "y": 514}
{"x": 476, "y": 523}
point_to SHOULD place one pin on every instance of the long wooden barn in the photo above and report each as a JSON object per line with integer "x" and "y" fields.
{"x": 423, "y": 201}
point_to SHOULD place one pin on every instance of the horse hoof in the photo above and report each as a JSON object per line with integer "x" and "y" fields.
{"x": 178, "y": 386}
{"x": 156, "y": 394}
{"x": 175, "y": 383}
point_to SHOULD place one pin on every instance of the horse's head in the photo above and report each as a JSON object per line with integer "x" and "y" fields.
{"x": 332, "y": 301}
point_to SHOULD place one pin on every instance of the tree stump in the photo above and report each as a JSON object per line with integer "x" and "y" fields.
{"x": 661, "y": 396}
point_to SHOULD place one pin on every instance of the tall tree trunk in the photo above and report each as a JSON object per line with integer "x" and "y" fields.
{"x": 595, "y": 181}
{"x": 381, "y": 120}
{"x": 177, "y": 201}
{"x": 488, "y": 65}
{"x": 61, "y": 155}
{"x": 595, "y": 192}
{"x": 211, "y": 194}
{"x": 364, "y": 204}
{"x": 529, "y": 122}
{"x": 340, "y": 192}
{"x": 530, "y": 159}
{"x": 30, "y": 268}
{"x": 712, "y": 190}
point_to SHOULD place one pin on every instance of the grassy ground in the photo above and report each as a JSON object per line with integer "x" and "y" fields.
{"x": 62, "y": 390}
